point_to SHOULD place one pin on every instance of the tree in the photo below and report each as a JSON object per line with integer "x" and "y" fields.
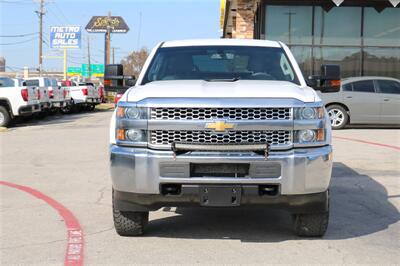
{"x": 134, "y": 62}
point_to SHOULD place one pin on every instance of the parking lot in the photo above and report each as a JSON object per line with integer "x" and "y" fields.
{"x": 66, "y": 159}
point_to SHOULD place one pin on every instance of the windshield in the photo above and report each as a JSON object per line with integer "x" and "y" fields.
{"x": 213, "y": 63}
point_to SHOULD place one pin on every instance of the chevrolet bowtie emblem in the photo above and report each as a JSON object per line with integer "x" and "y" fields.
{"x": 220, "y": 126}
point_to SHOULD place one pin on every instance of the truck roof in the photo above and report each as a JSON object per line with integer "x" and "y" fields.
{"x": 222, "y": 42}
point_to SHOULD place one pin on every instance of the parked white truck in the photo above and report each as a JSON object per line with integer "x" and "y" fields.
{"x": 82, "y": 95}
{"x": 56, "y": 94}
{"x": 42, "y": 86}
{"x": 222, "y": 123}
{"x": 16, "y": 101}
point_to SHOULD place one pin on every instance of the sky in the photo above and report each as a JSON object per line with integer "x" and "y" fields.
{"x": 160, "y": 20}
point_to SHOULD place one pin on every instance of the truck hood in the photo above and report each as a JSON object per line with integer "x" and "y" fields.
{"x": 221, "y": 89}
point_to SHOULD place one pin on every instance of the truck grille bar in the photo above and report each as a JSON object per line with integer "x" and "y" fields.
{"x": 221, "y": 113}
{"x": 167, "y": 137}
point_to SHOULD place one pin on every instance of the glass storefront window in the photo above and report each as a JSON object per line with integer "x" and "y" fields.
{"x": 382, "y": 62}
{"x": 289, "y": 24}
{"x": 348, "y": 58}
{"x": 303, "y": 58}
{"x": 382, "y": 28}
{"x": 339, "y": 26}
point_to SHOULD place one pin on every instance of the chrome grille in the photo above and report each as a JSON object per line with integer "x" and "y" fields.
{"x": 165, "y": 137}
{"x": 221, "y": 113}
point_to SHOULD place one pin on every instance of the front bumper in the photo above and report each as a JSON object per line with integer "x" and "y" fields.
{"x": 303, "y": 171}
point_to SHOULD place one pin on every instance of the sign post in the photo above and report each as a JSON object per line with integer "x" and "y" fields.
{"x": 107, "y": 25}
{"x": 65, "y": 37}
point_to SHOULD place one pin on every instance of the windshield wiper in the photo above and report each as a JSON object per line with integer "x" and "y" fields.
{"x": 223, "y": 80}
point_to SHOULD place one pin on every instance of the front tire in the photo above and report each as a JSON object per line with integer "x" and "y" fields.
{"x": 311, "y": 224}
{"x": 338, "y": 116}
{"x": 130, "y": 223}
{"x": 5, "y": 117}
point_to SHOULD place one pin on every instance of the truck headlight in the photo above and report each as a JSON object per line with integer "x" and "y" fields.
{"x": 132, "y": 112}
{"x": 306, "y": 135}
{"x": 131, "y": 135}
{"x": 308, "y": 113}
{"x": 134, "y": 135}
{"x": 310, "y": 135}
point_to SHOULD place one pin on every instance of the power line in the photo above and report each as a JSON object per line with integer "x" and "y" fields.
{"x": 12, "y": 43}
{"x": 19, "y": 35}
{"x": 19, "y": 2}
{"x": 61, "y": 12}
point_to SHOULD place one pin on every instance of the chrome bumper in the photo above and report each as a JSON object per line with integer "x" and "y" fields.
{"x": 303, "y": 171}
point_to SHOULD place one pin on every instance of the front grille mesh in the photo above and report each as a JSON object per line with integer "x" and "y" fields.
{"x": 165, "y": 137}
{"x": 220, "y": 113}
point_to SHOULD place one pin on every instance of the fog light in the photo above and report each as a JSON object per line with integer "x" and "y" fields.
{"x": 306, "y": 135}
{"x": 134, "y": 135}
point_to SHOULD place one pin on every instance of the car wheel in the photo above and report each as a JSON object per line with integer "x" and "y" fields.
{"x": 338, "y": 116}
{"x": 128, "y": 223}
{"x": 4, "y": 117}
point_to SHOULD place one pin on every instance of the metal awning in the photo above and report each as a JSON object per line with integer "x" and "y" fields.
{"x": 339, "y": 2}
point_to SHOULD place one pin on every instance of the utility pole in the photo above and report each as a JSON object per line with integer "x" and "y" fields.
{"x": 107, "y": 41}
{"x": 88, "y": 55}
{"x": 113, "y": 53}
{"x": 40, "y": 14}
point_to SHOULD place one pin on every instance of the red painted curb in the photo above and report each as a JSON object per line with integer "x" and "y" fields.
{"x": 74, "y": 252}
{"x": 370, "y": 142}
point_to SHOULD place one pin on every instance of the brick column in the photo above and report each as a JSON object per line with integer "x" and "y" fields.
{"x": 244, "y": 26}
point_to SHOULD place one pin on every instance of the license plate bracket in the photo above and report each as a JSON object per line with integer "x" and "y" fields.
{"x": 220, "y": 196}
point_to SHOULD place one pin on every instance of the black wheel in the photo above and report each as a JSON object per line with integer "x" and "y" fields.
{"x": 90, "y": 107}
{"x": 5, "y": 117}
{"x": 311, "y": 224}
{"x": 69, "y": 108}
{"x": 130, "y": 223}
{"x": 338, "y": 116}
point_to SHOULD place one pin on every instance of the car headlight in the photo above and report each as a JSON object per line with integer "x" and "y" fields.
{"x": 308, "y": 113}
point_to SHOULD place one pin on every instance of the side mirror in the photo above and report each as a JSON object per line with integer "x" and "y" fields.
{"x": 328, "y": 81}
{"x": 131, "y": 81}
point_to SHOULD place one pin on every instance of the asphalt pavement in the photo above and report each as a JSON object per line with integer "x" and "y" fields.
{"x": 66, "y": 159}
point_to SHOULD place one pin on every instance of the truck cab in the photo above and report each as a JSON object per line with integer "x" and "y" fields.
{"x": 222, "y": 123}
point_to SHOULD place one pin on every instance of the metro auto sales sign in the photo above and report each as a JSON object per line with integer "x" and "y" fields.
{"x": 65, "y": 37}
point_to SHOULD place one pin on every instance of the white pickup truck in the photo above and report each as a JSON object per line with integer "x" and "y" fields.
{"x": 16, "y": 101}
{"x": 83, "y": 95}
{"x": 56, "y": 94}
{"x": 222, "y": 123}
{"x": 42, "y": 85}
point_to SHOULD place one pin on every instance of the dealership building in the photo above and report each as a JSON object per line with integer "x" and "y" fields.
{"x": 362, "y": 36}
